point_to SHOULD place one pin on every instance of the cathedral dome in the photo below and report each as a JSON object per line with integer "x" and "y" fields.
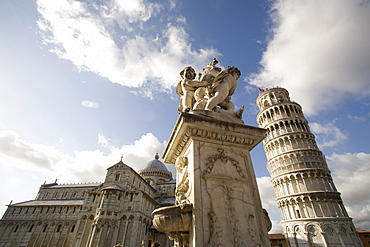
{"x": 155, "y": 165}
{"x": 155, "y": 168}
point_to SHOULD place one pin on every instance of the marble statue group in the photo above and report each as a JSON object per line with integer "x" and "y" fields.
{"x": 211, "y": 92}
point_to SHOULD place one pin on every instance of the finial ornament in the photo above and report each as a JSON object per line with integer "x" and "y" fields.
{"x": 211, "y": 92}
{"x": 121, "y": 157}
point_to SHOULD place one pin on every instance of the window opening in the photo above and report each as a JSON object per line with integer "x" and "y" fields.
{"x": 298, "y": 214}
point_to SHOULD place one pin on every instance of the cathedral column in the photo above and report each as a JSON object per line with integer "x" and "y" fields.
{"x": 116, "y": 231}
{"x": 124, "y": 233}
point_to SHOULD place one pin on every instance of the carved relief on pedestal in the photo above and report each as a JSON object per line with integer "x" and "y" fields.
{"x": 224, "y": 164}
{"x": 230, "y": 197}
{"x": 226, "y": 223}
{"x": 183, "y": 187}
{"x": 215, "y": 231}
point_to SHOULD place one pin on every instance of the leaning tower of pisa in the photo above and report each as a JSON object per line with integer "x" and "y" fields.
{"x": 311, "y": 208}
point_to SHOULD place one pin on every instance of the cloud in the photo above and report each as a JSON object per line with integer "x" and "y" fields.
{"x": 268, "y": 199}
{"x": 327, "y": 135}
{"x": 12, "y": 180}
{"x": 351, "y": 176}
{"x": 125, "y": 13}
{"x": 121, "y": 41}
{"x": 11, "y": 145}
{"x": 356, "y": 118}
{"x": 80, "y": 166}
{"x": 89, "y": 104}
{"x": 104, "y": 141}
{"x": 318, "y": 48}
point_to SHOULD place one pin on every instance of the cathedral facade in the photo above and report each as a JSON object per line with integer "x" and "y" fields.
{"x": 117, "y": 211}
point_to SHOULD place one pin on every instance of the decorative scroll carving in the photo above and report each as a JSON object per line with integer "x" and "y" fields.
{"x": 233, "y": 217}
{"x": 221, "y": 156}
{"x": 215, "y": 231}
{"x": 224, "y": 221}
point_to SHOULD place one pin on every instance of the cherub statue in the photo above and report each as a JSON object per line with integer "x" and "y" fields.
{"x": 186, "y": 88}
{"x": 210, "y": 71}
{"x": 201, "y": 97}
{"x": 223, "y": 86}
{"x": 212, "y": 92}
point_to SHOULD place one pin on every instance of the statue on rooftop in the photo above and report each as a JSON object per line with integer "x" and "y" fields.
{"x": 212, "y": 92}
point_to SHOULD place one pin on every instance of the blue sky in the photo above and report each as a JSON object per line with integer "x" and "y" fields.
{"x": 83, "y": 82}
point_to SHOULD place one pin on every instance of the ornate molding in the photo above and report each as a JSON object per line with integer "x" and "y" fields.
{"x": 194, "y": 127}
{"x": 211, "y": 135}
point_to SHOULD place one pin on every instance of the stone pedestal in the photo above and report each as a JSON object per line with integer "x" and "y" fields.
{"x": 216, "y": 176}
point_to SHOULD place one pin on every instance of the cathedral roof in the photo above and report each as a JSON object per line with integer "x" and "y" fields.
{"x": 120, "y": 164}
{"x": 173, "y": 181}
{"x": 155, "y": 164}
{"x": 51, "y": 203}
{"x": 166, "y": 201}
{"x": 113, "y": 187}
{"x": 55, "y": 185}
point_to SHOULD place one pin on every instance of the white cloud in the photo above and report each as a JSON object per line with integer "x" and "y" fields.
{"x": 104, "y": 141}
{"x": 89, "y": 104}
{"x": 81, "y": 166}
{"x": 351, "y": 176}
{"x": 11, "y": 145}
{"x": 327, "y": 135}
{"x": 115, "y": 40}
{"x": 126, "y": 12}
{"x": 319, "y": 51}
{"x": 12, "y": 180}
{"x": 268, "y": 199}
{"x": 357, "y": 118}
